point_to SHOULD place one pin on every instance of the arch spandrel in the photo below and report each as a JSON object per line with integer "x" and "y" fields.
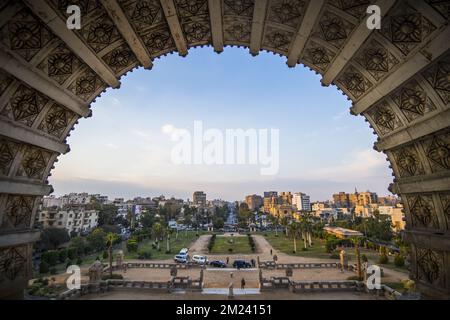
{"x": 396, "y": 77}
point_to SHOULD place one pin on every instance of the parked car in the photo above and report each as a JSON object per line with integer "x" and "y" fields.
{"x": 181, "y": 258}
{"x": 184, "y": 251}
{"x": 241, "y": 264}
{"x": 218, "y": 264}
{"x": 199, "y": 259}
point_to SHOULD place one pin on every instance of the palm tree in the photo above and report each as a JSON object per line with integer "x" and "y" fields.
{"x": 308, "y": 227}
{"x": 355, "y": 241}
{"x": 285, "y": 224}
{"x": 168, "y": 231}
{"x": 294, "y": 230}
{"x": 277, "y": 222}
{"x": 110, "y": 238}
{"x": 157, "y": 231}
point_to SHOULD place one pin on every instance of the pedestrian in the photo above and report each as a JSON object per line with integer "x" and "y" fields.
{"x": 231, "y": 275}
{"x": 243, "y": 284}
{"x": 228, "y": 260}
{"x": 253, "y": 263}
{"x": 270, "y": 252}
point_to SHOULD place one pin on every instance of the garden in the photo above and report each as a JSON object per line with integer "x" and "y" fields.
{"x": 232, "y": 245}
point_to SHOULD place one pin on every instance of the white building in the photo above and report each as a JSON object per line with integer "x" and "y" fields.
{"x": 301, "y": 201}
{"x": 52, "y": 201}
{"x": 396, "y": 214}
{"x": 73, "y": 219}
{"x": 76, "y": 199}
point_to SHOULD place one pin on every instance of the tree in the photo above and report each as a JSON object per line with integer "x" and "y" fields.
{"x": 285, "y": 223}
{"x": 97, "y": 239}
{"x": 147, "y": 220}
{"x": 356, "y": 243}
{"x": 52, "y": 238}
{"x": 157, "y": 231}
{"x": 107, "y": 214}
{"x": 167, "y": 232}
{"x": 308, "y": 227}
{"x": 78, "y": 243}
{"x": 44, "y": 267}
{"x": 110, "y": 238}
{"x": 107, "y": 228}
{"x": 218, "y": 222}
{"x": 62, "y": 255}
{"x": 294, "y": 230}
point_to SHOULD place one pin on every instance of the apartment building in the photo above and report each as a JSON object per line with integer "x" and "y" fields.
{"x": 74, "y": 218}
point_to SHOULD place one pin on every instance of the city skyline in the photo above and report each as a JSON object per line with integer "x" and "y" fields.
{"x": 125, "y": 150}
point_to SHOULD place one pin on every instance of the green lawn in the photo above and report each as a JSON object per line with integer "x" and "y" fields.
{"x": 239, "y": 245}
{"x": 286, "y": 245}
{"x": 373, "y": 257}
{"x": 184, "y": 241}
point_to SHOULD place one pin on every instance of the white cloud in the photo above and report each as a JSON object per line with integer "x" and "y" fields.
{"x": 112, "y": 146}
{"x": 141, "y": 134}
{"x": 114, "y": 101}
{"x": 359, "y": 165}
{"x": 340, "y": 115}
{"x": 167, "y": 128}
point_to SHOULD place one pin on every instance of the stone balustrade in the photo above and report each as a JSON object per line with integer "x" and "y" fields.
{"x": 273, "y": 265}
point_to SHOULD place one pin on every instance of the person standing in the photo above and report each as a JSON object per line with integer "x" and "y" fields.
{"x": 243, "y": 284}
{"x": 228, "y": 260}
{"x": 270, "y": 252}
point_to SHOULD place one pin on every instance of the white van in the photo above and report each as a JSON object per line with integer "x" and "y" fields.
{"x": 199, "y": 259}
{"x": 181, "y": 258}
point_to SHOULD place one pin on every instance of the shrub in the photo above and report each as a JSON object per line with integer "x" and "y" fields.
{"x": 51, "y": 257}
{"x": 132, "y": 245}
{"x": 399, "y": 260}
{"x": 383, "y": 259}
{"x": 53, "y": 271}
{"x": 251, "y": 242}
{"x": 43, "y": 267}
{"x": 334, "y": 255}
{"x": 71, "y": 253}
{"x": 364, "y": 258}
{"x": 105, "y": 254}
{"x": 230, "y": 250}
{"x": 212, "y": 240}
{"x": 88, "y": 249}
{"x": 62, "y": 255}
{"x": 144, "y": 254}
{"x": 331, "y": 244}
{"x": 79, "y": 261}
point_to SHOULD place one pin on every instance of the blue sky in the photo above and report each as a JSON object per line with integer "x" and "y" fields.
{"x": 122, "y": 150}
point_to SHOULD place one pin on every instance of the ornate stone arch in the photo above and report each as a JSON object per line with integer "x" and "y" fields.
{"x": 398, "y": 78}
